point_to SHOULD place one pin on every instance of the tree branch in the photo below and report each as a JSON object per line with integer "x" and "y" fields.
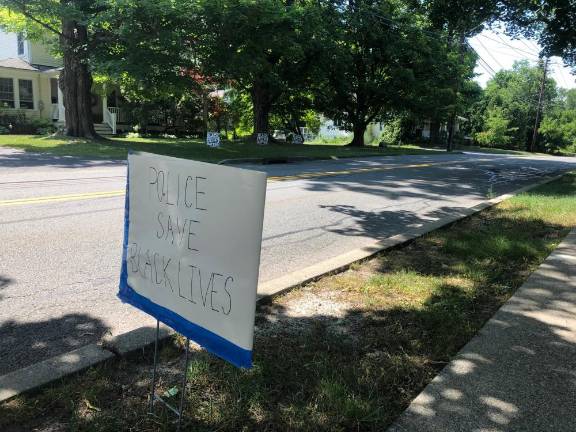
{"x": 22, "y": 9}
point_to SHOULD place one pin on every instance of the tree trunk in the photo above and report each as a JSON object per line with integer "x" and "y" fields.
{"x": 261, "y": 103}
{"x": 435, "y": 132}
{"x": 358, "y": 139}
{"x": 205, "y": 111}
{"x": 451, "y": 132}
{"x": 76, "y": 81}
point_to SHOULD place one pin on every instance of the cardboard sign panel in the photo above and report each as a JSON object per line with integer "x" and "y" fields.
{"x": 213, "y": 139}
{"x": 191, "y": 254}
{"x": 262, "y": 139}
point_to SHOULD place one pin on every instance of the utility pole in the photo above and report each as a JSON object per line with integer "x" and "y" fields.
{"x": 454, "y": 115}
{"x": 539, "y": 107}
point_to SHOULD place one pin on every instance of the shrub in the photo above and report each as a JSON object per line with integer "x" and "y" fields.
{"x": 16, "y": 122}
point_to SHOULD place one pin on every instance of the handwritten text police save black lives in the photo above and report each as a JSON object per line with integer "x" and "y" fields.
{"x": 211, "y": 290}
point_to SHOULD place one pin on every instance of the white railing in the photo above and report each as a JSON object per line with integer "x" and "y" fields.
{"x": 55, "y": 112}
{"x": 110, "y": 119}
{"x": 122, "y": 116}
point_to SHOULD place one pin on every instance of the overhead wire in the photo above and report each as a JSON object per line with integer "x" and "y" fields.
{"x": 490, "y": 54}
{"x": 502, "y": 42}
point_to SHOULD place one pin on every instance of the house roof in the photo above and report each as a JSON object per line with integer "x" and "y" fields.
{"x": 16, "y": 63}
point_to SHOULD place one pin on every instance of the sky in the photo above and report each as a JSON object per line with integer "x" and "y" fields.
{"x": 498, "y": 51}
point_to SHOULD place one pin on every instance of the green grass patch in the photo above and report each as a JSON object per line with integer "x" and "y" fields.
{"x": 348, "y": 352}
{"x": 117, "y": 148}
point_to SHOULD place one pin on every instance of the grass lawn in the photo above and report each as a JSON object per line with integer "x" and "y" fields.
{"x": 348, "y": 352}
{"x": 117, "y": 148}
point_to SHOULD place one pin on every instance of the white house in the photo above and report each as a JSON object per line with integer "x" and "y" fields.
{"x": 29, "y": 85}
{"x": 329, "y": 129}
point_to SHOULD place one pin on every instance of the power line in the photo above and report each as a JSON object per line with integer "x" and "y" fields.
{"x": 537, "y": 55}
{"x": 487, "y": 69}
{"x": 481, "y": 58}
{"x": 501, "y": 42}
{"x": 566, "y": 80}
{"x": 490, "y": 54}
{"x": 523, "y": 42}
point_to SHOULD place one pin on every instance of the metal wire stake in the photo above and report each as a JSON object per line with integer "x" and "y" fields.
{"x": 184, "y": 380}
{"x": 152, "y": 391}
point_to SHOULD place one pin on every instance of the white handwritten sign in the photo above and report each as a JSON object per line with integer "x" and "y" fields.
{"x": 262, "y": 139}
{"x": 213, "y": 139}
{"x": 192, "y": 249}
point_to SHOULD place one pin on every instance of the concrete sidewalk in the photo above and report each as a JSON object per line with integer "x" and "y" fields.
{"x": 519, "y": 372}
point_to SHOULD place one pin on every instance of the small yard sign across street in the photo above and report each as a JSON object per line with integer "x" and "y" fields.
{"x": 213, "y": 139}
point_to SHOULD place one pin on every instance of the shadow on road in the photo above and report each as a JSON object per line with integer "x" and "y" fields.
{"x": 26, "y": 343}
{"x": 15, "y": 158}
{"x": 457, "y": 180}
{"x": 5, "y": 281}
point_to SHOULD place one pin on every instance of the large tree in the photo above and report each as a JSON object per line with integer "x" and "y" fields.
{"x": 552, "y": 23}
{"x": 381, "y": 62}
{"x": 459, "y": 20}
{"x": 558, "y": 127}
{"x": 513, "y": 95}
{"x": 266, "y": 48}
{"x": 69, "y": 22}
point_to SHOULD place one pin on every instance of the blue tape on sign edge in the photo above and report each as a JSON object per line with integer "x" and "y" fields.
{"x": 213, "y": 343}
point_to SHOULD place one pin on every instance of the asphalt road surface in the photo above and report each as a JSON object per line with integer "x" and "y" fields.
{"x": 61, "y": 222}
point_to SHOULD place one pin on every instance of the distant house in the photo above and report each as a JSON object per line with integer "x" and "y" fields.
{"x": 330, "y": 129}
{"x": 29, "y": 85}
{"x": 424, "y": 128}
{"x": 28, "y": 78}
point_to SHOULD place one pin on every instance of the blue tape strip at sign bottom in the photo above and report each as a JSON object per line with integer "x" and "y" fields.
{"x": 213, "y": 343}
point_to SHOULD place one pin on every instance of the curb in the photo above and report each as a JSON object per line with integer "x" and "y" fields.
{"x": 270, "y": 289}
{"x": 284, "y": 160}
{"x": 296, "y": 159}
{"x": 46, "y": 371}
{"x": 19, "y": 381}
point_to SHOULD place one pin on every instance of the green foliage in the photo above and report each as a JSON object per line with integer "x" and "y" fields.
{"x": 515, "y": 93}
{"x": 17, "y": 122}
{"x": 392, "y": 132}
{"x": 312, "y": 120}
{"x": 381, "y": 62}
{"x": 497, "y": 131}
{"x": 551, "y": 22}
{"x": 264, "y": 48}
{"x": 558, "y": 127}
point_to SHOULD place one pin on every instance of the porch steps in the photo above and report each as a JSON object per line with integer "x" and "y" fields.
{"x": 103, "y": 129}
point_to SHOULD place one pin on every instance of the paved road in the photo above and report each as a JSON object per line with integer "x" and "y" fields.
{"x": 60, "y": 256}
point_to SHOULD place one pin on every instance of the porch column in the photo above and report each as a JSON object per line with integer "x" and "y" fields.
{"x": 104, "y": 106}
{"x": 61, "y": 109}
{"x": 16, "y": 93}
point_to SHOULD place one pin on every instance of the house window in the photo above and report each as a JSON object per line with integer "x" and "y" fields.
{"x": 6, "y": 93}
{"x": 26, "y": 95}
{"x": 54, "y": 90}
{"x": 20, "y": 39}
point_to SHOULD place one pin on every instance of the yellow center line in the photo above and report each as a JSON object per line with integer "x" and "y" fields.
{"x": 59, "y": 198}
{"x": 350, "y": 171}
{"x": 272, "y": 179}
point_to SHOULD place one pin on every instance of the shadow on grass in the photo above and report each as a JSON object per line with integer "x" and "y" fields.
{"x": 63, "y": 150}
{"x": 356, "y": 370}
